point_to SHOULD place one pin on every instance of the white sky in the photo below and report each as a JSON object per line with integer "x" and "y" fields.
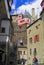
{"x": 28, "y": 7}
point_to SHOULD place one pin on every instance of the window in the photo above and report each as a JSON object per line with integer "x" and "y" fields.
{"x": 30, "y": 51}
{"x": 35, "y": 52}
{"x": 3, "y": 30}
{"x": 24, "y": 52}
{"x": 36, "y": 38}
{"x": 30, "y": 40}
{"x": 19, "y": 52}
{"x": 21, "y": 44}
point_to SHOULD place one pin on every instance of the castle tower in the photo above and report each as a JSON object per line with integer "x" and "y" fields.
{"x": 33, "y": 13}
{"x": 15, "y": 12}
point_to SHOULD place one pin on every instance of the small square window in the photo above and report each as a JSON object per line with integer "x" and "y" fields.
{"x": 3, "y": 30}
{"x": 19, "y": 52}
{"x": 35, "y": 52}
{"x": 30, "y": 51}
{"x": 30, "y": 40}
{"x": 36, "y": 38}
{"x": 21, "y": 44}
{"x": 24, "y": 52}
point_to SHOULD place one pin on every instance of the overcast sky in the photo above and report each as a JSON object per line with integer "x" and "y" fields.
{"x": 22, "y": 5}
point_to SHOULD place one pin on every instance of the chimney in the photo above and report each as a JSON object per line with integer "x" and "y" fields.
{"x": 15, "y": 12}
{"x": 33, "y": 13}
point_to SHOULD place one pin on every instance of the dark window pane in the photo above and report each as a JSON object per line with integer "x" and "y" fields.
{"x": 35, "y": 52}
{"x": 30, "y": 40}
{"x": 30, "y": 51}
{"x": 3, "y": 30}
{"x": 24, "y": 52}
{"x": 21, "y": 44}
{"x": 19, "y": 52}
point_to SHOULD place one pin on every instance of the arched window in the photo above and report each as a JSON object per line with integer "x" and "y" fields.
{"x": 35, "y": 52}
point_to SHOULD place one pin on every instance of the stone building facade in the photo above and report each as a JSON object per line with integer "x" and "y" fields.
{"x": 35, "y": 40}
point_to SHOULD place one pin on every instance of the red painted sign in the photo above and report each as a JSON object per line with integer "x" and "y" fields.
{"x": 23, "y": 21}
